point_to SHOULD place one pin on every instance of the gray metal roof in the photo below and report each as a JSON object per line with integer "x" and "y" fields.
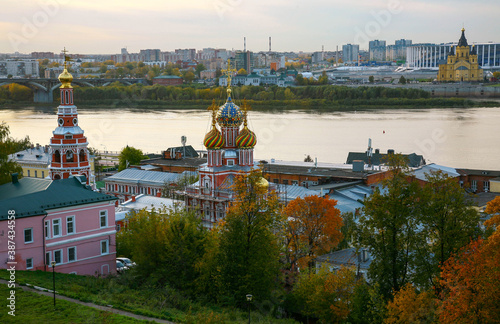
{"x": 147, "y": 177}
{"x": 424, "y": 171}
{"x": 347, "y": 258}
{"x": 35, "y": 155}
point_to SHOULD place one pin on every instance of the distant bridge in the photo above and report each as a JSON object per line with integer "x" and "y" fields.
{"x": 43, "y": 88}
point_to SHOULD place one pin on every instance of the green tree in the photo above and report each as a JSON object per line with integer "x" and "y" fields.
{"x": 388, "y": 226}
{"x": 325, "y": 295}
{"x": 8, "y": 146}
{"x": 402, "y": 80}
{"x": 188, "y": 76}
{"x": 200, "y": 67}
{"x": 130, "y": 156}
{"x": 371, "y": 79}
{"x": 248, "y": 256}
{"x": 448, "y": 222}
{"x": 165, "y": 244}
{"x": 323, "y": 79}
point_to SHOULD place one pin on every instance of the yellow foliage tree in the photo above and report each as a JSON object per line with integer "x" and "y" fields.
{"x": 493, "y": 208}
{"x": 409, "y": 306}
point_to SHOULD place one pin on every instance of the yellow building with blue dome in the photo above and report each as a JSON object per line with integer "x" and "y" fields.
{"x": 461, "y": 64}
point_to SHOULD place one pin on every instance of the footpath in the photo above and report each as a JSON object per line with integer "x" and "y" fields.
{"x": 103, "y": 308}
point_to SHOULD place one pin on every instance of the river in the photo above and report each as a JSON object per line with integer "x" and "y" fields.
{"x": 458, "y": 137}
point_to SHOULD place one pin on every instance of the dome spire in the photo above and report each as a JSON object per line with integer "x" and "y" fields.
{"x": 229, "y": 73}
{"x": 65, "y": 77}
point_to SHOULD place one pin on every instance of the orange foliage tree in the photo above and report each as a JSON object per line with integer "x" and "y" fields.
{"x": 313, "y": 228}
{"x": 409, "y": 306}
{"x": 493, "y": 208}
{"x": 471, "y": 283}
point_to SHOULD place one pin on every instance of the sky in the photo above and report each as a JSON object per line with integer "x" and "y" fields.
{"x": 106, "y": 26}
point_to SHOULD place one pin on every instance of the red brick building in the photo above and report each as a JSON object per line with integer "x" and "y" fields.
{"x": 168, "y": 80}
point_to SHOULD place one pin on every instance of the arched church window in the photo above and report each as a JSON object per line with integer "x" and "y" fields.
{"x": 57, "y": 177}
{"x": 82, "y": 156}
{"x": 69, "y": 156}
{"x": 57, "y": 156}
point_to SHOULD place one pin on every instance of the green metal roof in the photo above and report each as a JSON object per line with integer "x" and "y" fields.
{"x": 168, "y": 77}
{"x": 32, "y": 197}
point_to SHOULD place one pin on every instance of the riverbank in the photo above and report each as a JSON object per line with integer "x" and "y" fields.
{"x": 269, "y": 105}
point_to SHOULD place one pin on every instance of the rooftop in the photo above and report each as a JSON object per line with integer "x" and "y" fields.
{"x": 36, "y": 155}
{"x": 146, "y": 177}
{"x": 32, "y": 196}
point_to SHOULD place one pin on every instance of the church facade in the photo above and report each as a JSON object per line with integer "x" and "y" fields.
{"x": 68, "y": 146}
{"x": 230, "y": 152}
{"x": 462, "y": 64}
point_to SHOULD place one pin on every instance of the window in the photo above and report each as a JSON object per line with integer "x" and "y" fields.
{"x": 58, "y": 256}
{"x": 28, "y": 173}
{"x": 47, "y": 229}
{"x": 295, "y": 183}
{"x": 28, "y": 235}
{"x": 473, "y": 185}
{"x": 47, "y": 258}
{"x": 43, "y": 174}
{"x": 72, "y": 254}
{"x": 486, "y": 186}
{"x": 276, "y": 180}
{"x": 103, "y": 218}
{"x": 105, "y": 247}
{"x": 69, "y": 156}
{"x": 285, "y": 182}
{"x": 230, "y": 162}
{"x": 56, "y": 227}
{"x": 36, "y": 174}
{"x": 70, "y": 225}
{"x": 29, "y": 263}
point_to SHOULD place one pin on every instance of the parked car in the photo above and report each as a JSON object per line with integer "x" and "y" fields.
{"x": 127, "y": 262}
{"x": 120, "y": 267}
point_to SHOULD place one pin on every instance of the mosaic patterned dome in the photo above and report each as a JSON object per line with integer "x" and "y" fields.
{"x": 246, "y": 138}
{"x": 213, "y": 139}
{"x": 229, "y": 115}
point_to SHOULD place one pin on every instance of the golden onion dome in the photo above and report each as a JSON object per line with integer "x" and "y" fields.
{"x": 263, "y": 183}
{"x": 213, "y": 139}
{"x": 65, "y": 78}
{"x": 246, "y": 138}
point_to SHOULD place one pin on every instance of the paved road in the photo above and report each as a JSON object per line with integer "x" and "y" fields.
{"x": 103, "y": 308}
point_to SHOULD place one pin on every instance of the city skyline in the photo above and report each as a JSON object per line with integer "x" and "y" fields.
{"x": 94, "y": 27}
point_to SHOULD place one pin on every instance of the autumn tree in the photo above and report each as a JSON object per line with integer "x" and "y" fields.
{"x": 470, "y": 282}
{"x": 9, "y": 145}
{"x": 129, "y": 156}
{"x": 242, "y": 71}
{"x": 409, "y": 306}
{"x": 313, "y": 228}
{"x": 388, "y": 226}
{"x": 447, "y": 222}
{"x": 493, "y": 209}
{"x": 248, "y": 247}
{"x": 325, "y": 295}
{"x": 166, "y": 245}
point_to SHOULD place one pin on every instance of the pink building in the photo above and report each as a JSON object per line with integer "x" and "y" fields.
{"x": 57, "y": 220}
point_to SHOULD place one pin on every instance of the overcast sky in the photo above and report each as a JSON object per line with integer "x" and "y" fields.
{"x": 105, "y": 26}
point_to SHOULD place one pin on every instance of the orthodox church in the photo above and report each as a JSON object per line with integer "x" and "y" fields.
{"x": 462, "y": 65}
{"x": 230, "y": 152}
{"x": 68, "y": 145}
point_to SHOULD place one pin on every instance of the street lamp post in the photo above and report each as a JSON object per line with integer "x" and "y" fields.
{"x": 249, "y": 300}
{"x": 53, "y": 263}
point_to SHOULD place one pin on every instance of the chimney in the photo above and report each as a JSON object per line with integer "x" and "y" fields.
{"x": 158, "y": 194}
{"x": 133, "y": 198}
{"x": 37, "y": 146}
{"x": 14, "y": 177}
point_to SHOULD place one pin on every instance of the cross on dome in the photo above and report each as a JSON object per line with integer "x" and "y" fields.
{"x": 228, "y": 72}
